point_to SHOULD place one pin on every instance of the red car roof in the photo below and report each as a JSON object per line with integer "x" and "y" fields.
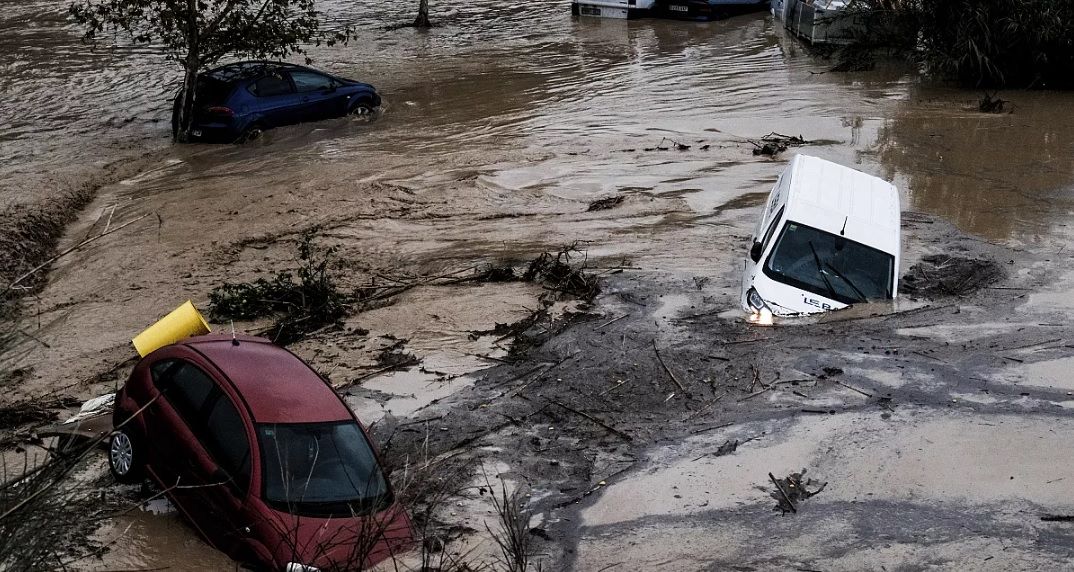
{"x": 276, "y": 385}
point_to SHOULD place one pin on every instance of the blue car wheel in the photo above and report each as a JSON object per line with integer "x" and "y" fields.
{"x": 251, "y": 133}
{"x": 363, "y": 108}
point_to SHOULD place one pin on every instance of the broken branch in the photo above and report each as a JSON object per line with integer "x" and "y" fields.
{"x": 667, "y": 369}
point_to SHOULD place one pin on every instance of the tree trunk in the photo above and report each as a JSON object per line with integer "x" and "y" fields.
{"x": 422, "y": 21}
{"x": 192, "y": 65}
{"x": 185, "y": 105}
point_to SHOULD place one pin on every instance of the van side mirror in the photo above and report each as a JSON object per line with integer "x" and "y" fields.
{"x": 755, "y": 252}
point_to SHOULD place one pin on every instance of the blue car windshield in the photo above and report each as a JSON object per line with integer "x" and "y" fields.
{"x": 830, "y": 265}
{"x": 324, "y": 468}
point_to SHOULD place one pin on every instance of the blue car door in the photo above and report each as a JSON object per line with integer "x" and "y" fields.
{"x": 320, "y": 95}
{"x": 275, "y": 100}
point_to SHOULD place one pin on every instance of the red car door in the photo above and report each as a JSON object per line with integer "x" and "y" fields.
{"x": 224, "y": 440}
{"x": 181, "y": 390}
{"x": 186, "y": 422}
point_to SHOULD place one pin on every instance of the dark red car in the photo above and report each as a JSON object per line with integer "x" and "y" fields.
{"x": 260, "y": 454}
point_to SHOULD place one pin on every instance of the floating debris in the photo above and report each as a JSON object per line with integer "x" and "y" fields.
{"x": 775, "y": 143}
{"x": 944, "y": 275}
{"x": 791, "y": 490}
{"x": 300, "y": 305}
{"x": 605, "y": 203}
{"x": 991, "y": 103}
{"x": 674, "y": 145}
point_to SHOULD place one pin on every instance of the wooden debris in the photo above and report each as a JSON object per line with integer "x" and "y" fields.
{"x": 792, "y": 489}
{"x": 667, "y": 369}
{"x": 610, "y": 322}
{"x": 783, "y": 493}
{"x": 609, "y": 428}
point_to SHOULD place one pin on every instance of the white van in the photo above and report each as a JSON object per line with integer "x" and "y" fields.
{"x": 829, "y": 237}
{"x": 621, "y": 9}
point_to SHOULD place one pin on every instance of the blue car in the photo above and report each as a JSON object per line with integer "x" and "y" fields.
{"x": 238, "y": 102}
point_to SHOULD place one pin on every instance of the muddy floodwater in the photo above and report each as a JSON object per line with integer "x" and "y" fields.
{"x": 500, "y": 126}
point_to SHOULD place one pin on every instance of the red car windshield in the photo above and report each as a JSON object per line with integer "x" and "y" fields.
{"x": 321, "y": 468}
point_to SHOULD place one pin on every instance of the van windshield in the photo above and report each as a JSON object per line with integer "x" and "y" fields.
{"x": 321, "y": 469}
{"x": 830, "y": 265}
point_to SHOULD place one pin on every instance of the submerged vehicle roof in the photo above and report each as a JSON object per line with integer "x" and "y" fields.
{"x": 843, "y": 201}
{"x": 276, "y": 385}
{"x": 248, "y": 69}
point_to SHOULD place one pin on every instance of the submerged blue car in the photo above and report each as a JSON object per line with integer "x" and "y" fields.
{"x": 237, "y": 102}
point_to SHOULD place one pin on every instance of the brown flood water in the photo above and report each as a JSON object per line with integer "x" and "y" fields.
{"x": 543, "y": 84}
{"x": 500, "y": 126}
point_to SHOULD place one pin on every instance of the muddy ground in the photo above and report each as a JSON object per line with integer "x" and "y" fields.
{"x": 939, "y": 423}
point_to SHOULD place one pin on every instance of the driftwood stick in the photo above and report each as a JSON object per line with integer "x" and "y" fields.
{"x": 366, "y": 376}
{"x": 783, "y": 493}
{"x": 610, "y": 322}
{"x": 593, "y": 419}
{"x": 522, "y": 375}
{"x": 667, "y": 369}
{"x": 852, "y": 388}
{"x": 705, "y": 408}
{"x": 755, "y": 394}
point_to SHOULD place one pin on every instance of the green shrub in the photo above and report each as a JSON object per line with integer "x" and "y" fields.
{"x": 982, "y": 43}
{"x": 300, "y": 305}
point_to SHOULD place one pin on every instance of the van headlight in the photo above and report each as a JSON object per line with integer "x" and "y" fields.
{"x": 762, "y": 314}
{"x": 755, "y": 301}
{"x": 296, "y": 567}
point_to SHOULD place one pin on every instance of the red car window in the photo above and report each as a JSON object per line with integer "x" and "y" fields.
{"x": 187, "y": 389}
{"x": 225, "y": 438}
{"x": 210, "y": 414}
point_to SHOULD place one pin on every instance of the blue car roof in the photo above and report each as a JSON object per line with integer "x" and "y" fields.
{"x": 247, "y": 70}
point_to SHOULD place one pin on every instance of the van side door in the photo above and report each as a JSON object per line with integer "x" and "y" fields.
{"x": 752, "y": 267}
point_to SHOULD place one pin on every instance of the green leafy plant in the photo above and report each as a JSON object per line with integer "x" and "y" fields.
{"x": 979, "y": 43}
{"x": 301, "y": 301}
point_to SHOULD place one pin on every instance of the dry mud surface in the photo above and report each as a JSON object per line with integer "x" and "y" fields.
{"x": 939, "y": 423}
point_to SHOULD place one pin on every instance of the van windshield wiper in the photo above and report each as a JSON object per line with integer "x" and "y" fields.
{"x": 820, "y": 270}
{"x": 861, "y": 296}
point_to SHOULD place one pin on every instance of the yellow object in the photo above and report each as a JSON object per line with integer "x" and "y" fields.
{"x": 183, "y": 322}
